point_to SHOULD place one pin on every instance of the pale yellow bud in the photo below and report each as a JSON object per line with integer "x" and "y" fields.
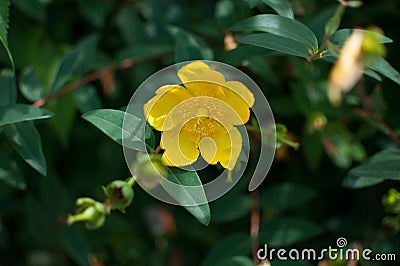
{"x": 348, "y": 69}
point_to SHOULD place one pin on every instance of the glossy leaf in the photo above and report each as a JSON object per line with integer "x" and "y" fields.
{"x": 33, "y": 8}
{"x": 281, "y": 26}
{"x": 237, "y": 261}
{"x": 111, "y": 122}
{"x": 277, "y": 43}
{"x": 189, "y": 47}
{"x": 285, "y": 231}
{"x": 15, "y": 113}
{"x": 222, "y": 209}
{"x": 340, "y": 36}
{"x": 65, "y": 111}
{"x": 27, "y": 142}
{"x": 233, "y": 245}
{"x": 282, "y": 7}
{"x": 143, "y": 52}
{"x": 9, "y": 172}
{"x": 381, "y": 66}
{"x": 285, "y": 195}
{"x": 4, "y": 13}
{"x": 87, "y": 99}
{"x": 76, "y": 60}
{"x": 30, "y": 85}
{"x": 252, "y": 3}
{"x": 189, "y": 193}
{"x": 352, "y": 181}
{"x": 8, "y": 92}
{"x": 383, "y": 165}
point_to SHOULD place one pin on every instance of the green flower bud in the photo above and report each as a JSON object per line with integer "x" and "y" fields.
{"x": 392, "y": 201}
{"x": 119, "y": 195}
{"x": 149, "y": 169}
{"x": 90, "y": 211}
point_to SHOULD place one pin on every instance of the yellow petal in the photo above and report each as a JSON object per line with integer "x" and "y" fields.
{"x": 181, "y": 148}
{"x": 242, "y": 91}
{"x": 223, "y": 147}
{"x": 157, "y": 108}
{"x": 197, "y": 71}
{"x": 229, "y": 107}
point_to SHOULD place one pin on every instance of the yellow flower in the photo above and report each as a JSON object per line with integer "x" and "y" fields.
{"x": 348, "y": 69}
{"x": 199, "y": 117}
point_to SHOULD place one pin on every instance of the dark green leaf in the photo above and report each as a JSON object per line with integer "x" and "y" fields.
{"x": 143, "y": 52}
{"x": 252, "y": 3}
{"x": 26, "y": 141}
{"x": 313, "y": 150}
{"x": 189, "y": 193}
{"x": 240, "y": 54}
{"x": 33, "y": 8}
{"x": 78, "y": 60}
{"x": 4, "y": 10}
{"x": 112, "y": 123}
{"x": 237, "y": 261}
{"x": 282, "y": 7}
{"x": 65, "y": 111}
{"x": 87, "y": 99}
{"x": 340, "y": 36}
{"x": 222, "y": 209}
{"x": 76, "y": 245}
{"x": 381, "y": 66}
{"x": 383, "y": 165}
{"x": 8, "y": 92}
{"x": 20, "y": 112}
{"x": 352, "y": 181}
{"x": 285, "y": 196}
{"x": 95, "y": 11}
{"x": 189, "y": 47}
{"x": 10, "y": 174}
{"x": 282, "y": 232}
{"x": 277, "y": 43}
{"x": 281, "y": 26}
{"x": 234, "y": 245}
{"x": 31, "y": 85}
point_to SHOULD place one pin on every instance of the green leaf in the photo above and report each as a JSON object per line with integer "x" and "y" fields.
{"x": 9, "y": 172}
{"x": 189, "y": 193}
{"x": 381, "y": 66}
{"x": 237, "y": 261}
{"x": 222, "y": 209}
{"x": 282, "y": 7}
{"x": 4, "y": 13}
{"x": 277, "y": 43}
{"x": 111, "y": 123}
{"x": 252, "y": 3}
{"x": 280, "y": 26}
{"x": 76, "y": 244}
{"x": 340, "y": 36}
{"x": 95, "y": 11}
{"x": 76, "y": 61}
{"x": 30, "y": 85}
{"x": 286, "y": 195}
{"x": 33, "y": 8}
{"x": 352, "y": 181}
{"x": 26, "y": 141}
{"x": 189, "y": 47}
{"x": 14, "y": 113}
{"x": 285, "y": 231}
{"x": 142, "y": 52}
{"x": 87, "y": 99}
{"x": 8, "y": 92}
{"x": 233, "y": 245}
{"x": 65, "y": 111}
{"x": 313, "y": 150}
{"x": 383, "y": 165}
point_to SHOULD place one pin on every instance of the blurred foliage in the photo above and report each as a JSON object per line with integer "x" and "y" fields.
{"x": 64, "y": 58}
